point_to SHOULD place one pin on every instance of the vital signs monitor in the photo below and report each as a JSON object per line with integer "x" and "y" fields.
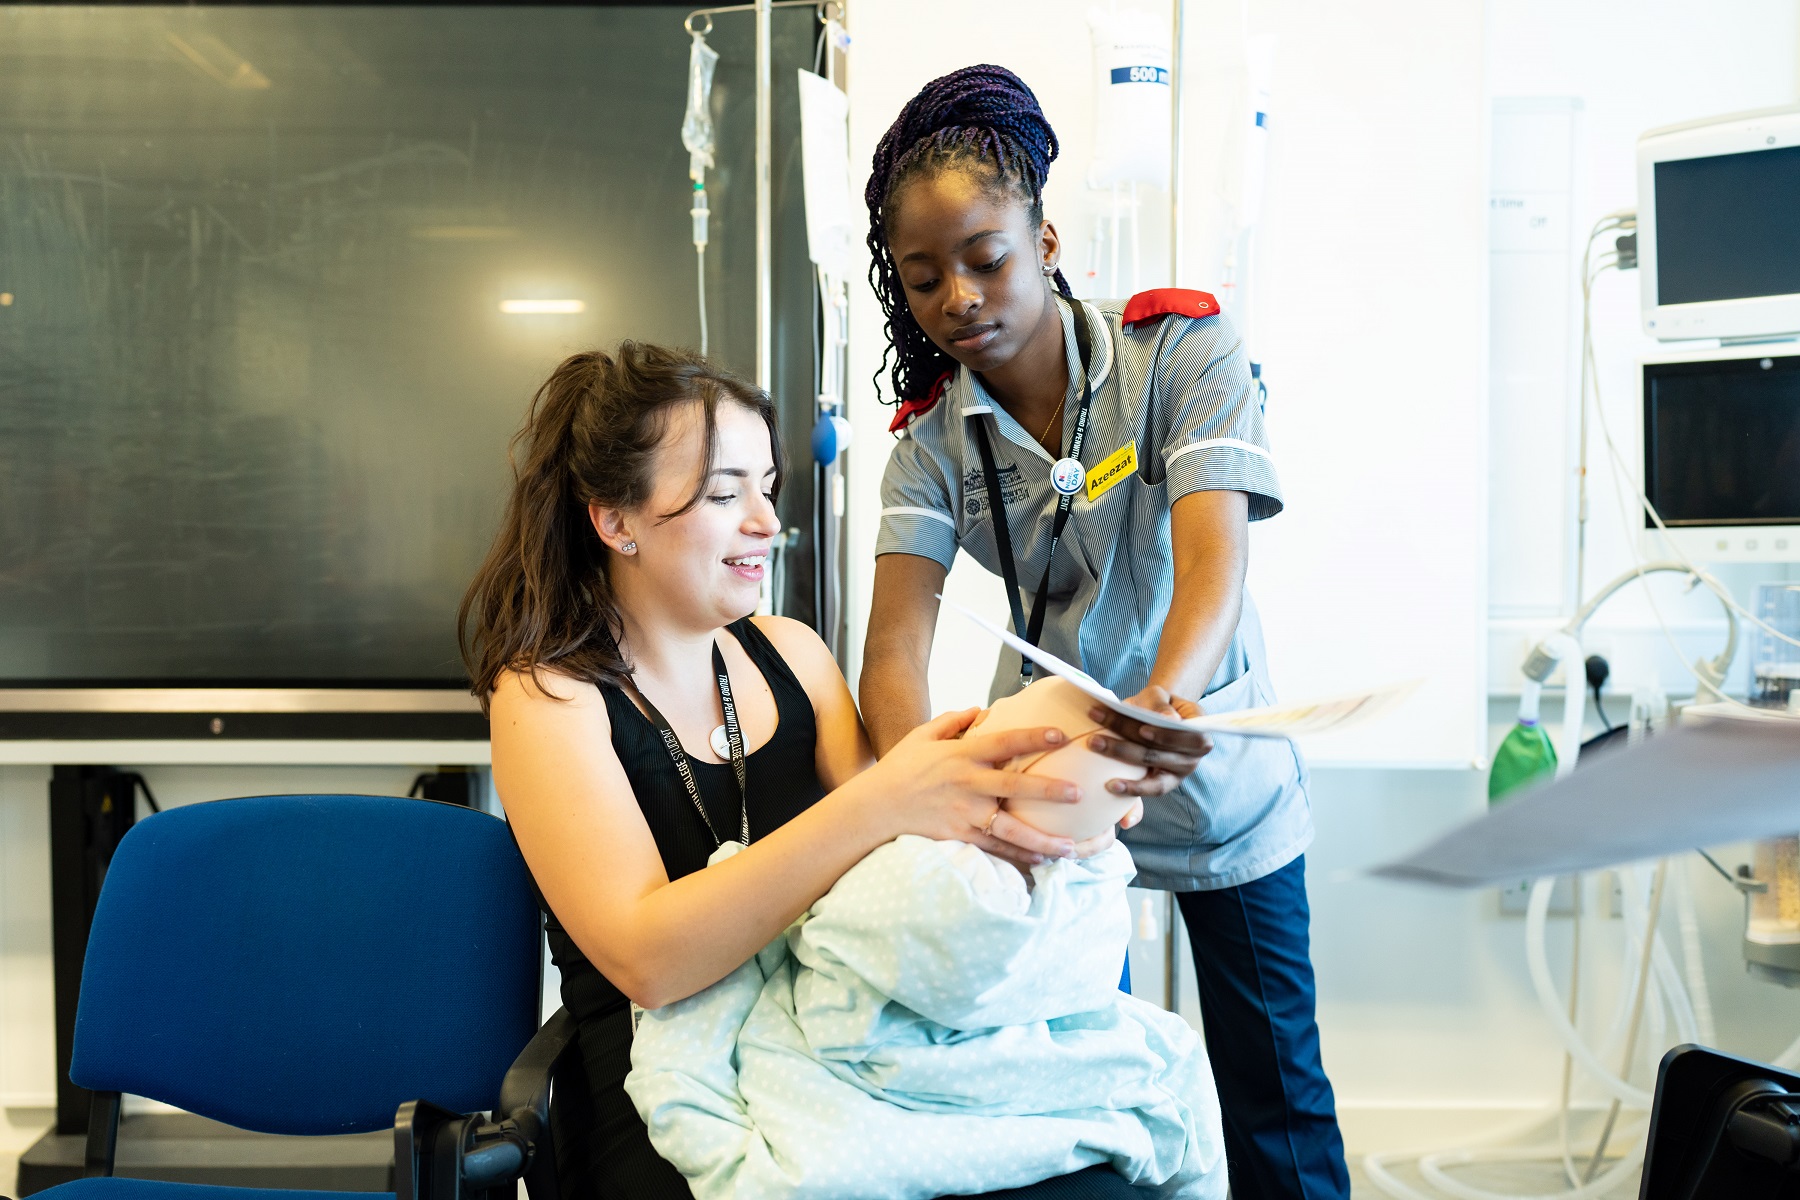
{"x": 1722, "y": 453}
{"x": 1718, "y": 242}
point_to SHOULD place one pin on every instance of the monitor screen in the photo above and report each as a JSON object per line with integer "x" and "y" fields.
{"x": 1726, "y": 227}
{"x": 277, "y": 284}
{"x": 1722, "y": 441}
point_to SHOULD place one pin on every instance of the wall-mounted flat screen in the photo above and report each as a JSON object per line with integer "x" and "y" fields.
{"x": 277, "y": 283}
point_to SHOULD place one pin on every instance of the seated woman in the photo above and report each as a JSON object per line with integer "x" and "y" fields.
{"x": 641, "y": 718}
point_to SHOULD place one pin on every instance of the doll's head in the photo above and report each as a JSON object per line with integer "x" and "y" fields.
{"x": 1059, "y": 703}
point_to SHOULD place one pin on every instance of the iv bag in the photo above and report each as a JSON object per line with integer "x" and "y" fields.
{"x": 1131, "y": 91}
{"x": 696, "y": 123}
{"x": 832, "y": 234}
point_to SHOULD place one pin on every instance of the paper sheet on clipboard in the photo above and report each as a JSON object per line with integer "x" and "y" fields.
{"x": 1275, "y": 721}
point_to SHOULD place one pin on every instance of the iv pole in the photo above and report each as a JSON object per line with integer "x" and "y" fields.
{"x": 1177, "y": 77}
{"x": 765, "y": 157}
{"x": 765, "y": 214}
{"x": 765, "y": 211}
{"x": 1175, "y": 81}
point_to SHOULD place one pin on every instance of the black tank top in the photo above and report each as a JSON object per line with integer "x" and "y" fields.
{"x": 783, "y": 781}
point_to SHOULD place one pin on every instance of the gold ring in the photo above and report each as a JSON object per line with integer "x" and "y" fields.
{"x": 987, "y": 829}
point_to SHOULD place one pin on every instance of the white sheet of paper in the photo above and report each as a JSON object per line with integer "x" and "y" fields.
{"x": 1275, "y": 721}
{"x": 1695, "y": 786}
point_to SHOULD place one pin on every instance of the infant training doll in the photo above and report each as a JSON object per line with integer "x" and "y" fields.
{"x": 1057, "y": 702}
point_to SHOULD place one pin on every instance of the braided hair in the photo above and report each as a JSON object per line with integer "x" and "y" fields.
{"x": 982, "y": 119}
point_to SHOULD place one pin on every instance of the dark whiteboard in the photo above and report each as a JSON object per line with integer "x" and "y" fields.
{"x": 255, "y": 384}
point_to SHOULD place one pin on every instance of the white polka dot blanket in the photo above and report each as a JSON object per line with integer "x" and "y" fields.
{"x": 932, "y": 1027}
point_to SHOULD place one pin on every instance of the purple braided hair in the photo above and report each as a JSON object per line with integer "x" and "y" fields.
{"x": 983, "y": 118}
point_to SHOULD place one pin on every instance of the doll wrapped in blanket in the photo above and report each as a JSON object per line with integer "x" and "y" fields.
{"x": 940, "y": 1024}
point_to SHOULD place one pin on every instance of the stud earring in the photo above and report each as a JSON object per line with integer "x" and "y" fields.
{"x": 628, "y": 548}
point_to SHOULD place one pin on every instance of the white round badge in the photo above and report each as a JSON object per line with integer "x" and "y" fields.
{"x": 1067, "y": 476}
{"x": 721, "y": 742}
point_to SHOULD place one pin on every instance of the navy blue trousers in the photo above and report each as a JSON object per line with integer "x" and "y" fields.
{"x": 1256, "y": 1004}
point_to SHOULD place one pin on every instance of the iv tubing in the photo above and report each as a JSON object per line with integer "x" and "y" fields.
{"x": 700, "y": 260}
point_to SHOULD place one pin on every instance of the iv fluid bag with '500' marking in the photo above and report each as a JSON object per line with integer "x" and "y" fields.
{"x": 1131, "y": 90}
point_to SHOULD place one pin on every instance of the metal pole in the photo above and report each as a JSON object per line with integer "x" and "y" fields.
{"x": 765, "y": 214}
{"x": 1176, "y": 77}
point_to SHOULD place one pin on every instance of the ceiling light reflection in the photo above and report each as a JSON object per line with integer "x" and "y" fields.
{"x": 464, "y": 233}
{"x": 541, "y": 307}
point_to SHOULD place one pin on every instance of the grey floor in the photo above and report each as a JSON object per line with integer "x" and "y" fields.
{"x": 1522, "y": 1179}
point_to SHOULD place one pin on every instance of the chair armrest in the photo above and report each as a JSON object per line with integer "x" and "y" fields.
{"x": 525, "y": 1098}
{"x": 441, "y": 1155}
{"x": 527, "y": 1083}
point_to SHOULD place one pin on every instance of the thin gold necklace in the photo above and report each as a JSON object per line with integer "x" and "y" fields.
{"x": 1053, "y": 416}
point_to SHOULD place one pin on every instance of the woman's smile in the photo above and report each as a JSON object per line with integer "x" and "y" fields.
{"x": 749, "y": 566}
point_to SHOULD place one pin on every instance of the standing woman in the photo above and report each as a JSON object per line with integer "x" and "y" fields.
{"x": 1123, "y": 443}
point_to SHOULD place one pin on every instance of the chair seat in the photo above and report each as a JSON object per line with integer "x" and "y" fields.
{"x": 156, "y": 1189}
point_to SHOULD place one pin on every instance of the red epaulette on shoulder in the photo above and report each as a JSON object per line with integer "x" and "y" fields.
{"x": 1163, "y": 302}
{"x": 918, "y": 406}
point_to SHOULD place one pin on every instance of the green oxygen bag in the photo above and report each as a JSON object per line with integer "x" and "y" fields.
{"x": 1525, "y": 757}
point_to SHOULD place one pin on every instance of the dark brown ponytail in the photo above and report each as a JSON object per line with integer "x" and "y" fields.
{"x": 542, "y": 597}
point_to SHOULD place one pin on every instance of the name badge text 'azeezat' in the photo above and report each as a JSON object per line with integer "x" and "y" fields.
{"x": 1120, "y": 465}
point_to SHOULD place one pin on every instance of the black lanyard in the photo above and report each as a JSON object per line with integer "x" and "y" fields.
{"x": 733, "y": 734}
{"x": 997, "y": 507}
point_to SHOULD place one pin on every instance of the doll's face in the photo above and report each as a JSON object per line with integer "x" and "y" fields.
{"x": 1057, "y": 702}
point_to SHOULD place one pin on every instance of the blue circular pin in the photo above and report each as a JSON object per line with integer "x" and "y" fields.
{"x": 1067, "y": 476}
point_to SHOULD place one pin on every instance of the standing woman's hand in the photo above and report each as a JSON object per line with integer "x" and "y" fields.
{"x": 1170, "y": 755}
{"x": 946, "y": 786}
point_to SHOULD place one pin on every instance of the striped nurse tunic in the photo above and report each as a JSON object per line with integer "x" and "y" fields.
{"x": 1174, "y": 411}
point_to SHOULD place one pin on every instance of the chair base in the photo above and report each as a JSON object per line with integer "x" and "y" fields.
{"x": 183, "y": 1148}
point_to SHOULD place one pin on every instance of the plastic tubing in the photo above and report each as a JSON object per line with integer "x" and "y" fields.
{"x": 1432, "y": 1168}
{"x": 1690, "y": 957}
{"x": 1566, "y": 650}
{"x": 1537, "y": 909}
{"x": 1668, "y": 1001}
{"x": 1662, "y": 962}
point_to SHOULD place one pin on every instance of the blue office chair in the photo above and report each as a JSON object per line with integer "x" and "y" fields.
{"x": 320, "y": 965}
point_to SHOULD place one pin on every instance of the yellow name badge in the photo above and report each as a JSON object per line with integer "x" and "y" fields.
{"x": 1118, "y": 467}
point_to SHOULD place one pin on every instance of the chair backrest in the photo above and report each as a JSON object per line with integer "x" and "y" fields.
{"x": 304, "y": 964}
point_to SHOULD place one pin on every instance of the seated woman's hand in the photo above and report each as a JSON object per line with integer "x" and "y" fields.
{"x": 953, "y": 785}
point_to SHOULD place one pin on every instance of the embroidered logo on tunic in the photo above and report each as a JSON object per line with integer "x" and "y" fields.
{"x": 1013, "y": 489}
{"x": 1120, "y": 465}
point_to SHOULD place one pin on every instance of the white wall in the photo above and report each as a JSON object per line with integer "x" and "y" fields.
{"x": 1369, "y": 316}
